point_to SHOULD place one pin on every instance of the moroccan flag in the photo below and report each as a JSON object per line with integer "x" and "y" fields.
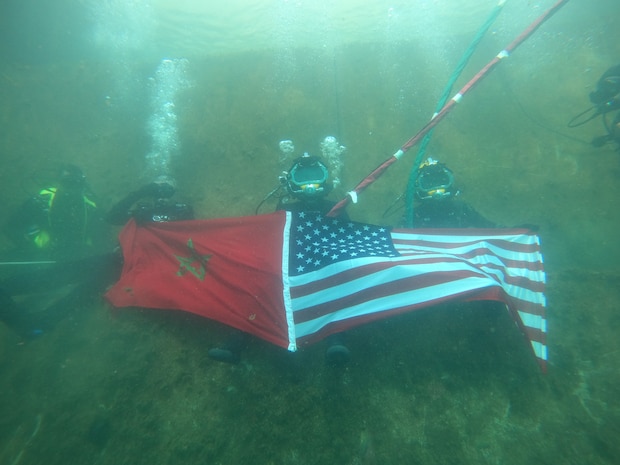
{"x": 295, "y": 277}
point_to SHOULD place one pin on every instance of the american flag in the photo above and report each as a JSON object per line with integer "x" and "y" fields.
{"x": 341, "y": 270}
{"x": 318, "y": 241}
{"x": 292, "y": 278}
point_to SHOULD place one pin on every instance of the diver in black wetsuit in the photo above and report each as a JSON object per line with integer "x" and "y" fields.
{"x": 89, "y": 276}
{"x": 306, "y": 185}
{"x": 605, "y": 99}
{"x": 61, "y": 222}
{"x": 151, "y": 203}
{"x": 55, "y": 233}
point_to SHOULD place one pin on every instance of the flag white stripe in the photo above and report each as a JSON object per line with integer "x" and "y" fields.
{"x": 338, "y": 267}
{"x": 417, "y": 268}
{"x": 533, "y": 321}
{"x": 540, "y": 350}
{"x": 461, "y": 238}
{"x": 406, "y": 268}
{"x": 416, "y": 297}
{"x": 482, "y": 261}
{"x": 286, "y": 288}
{"x": 520, "y": 245}
{"x": 390, "y": 302}
{"x": 469, "y": 250}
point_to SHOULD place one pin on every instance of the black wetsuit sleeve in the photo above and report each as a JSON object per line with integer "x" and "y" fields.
{"x": 472, "y": 219}
{"x": 31, "y": 215}
{"x": 121, "y": 212}
{"x": 449, "y": 214}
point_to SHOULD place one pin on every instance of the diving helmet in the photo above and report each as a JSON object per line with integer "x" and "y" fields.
{"x": 434, "y": 181}
{"x": 307, "y": 178}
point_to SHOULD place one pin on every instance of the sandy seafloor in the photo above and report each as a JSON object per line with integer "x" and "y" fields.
{"x": 449, "y": 385}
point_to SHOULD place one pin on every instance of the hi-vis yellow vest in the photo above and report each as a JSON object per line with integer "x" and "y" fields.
{"x": 42, "y": 239}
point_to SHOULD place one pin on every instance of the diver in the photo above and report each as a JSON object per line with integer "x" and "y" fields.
{"x": 605, "y": 99}
{"x": 58, "y": 234}
{"x": 150, "y": 203}
{"x": 60, "y": 222}
{"x": 306, "y": 185}
{"x": 437, "y": 205}
{"x": 86, "y": 277}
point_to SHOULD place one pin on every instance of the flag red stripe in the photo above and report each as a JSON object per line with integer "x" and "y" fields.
{"x": 391, "y": 288}
{"x": 478, "y": 252}
{"x": 333, "y": 280}
{"x": 431, "y": 242}
{"x": 520, "y": 281}
{"x": 535, "y": 334}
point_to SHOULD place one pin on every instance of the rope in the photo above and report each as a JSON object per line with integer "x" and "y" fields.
{"x": 377, "y": 172}
{"x": 442, "y": 101}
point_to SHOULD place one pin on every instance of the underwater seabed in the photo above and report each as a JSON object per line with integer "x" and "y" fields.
{"x": 448, "y": 385}
{"x": 454, "y": 384}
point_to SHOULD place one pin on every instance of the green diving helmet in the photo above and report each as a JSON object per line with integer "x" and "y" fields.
{"x": 434, "y": 181}
{"x": 307, "y": 178}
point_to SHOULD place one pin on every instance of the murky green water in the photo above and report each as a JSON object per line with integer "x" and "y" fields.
{"x": 455, "y": 384}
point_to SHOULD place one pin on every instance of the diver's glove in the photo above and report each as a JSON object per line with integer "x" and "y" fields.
{"x": 158, "y": 190}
